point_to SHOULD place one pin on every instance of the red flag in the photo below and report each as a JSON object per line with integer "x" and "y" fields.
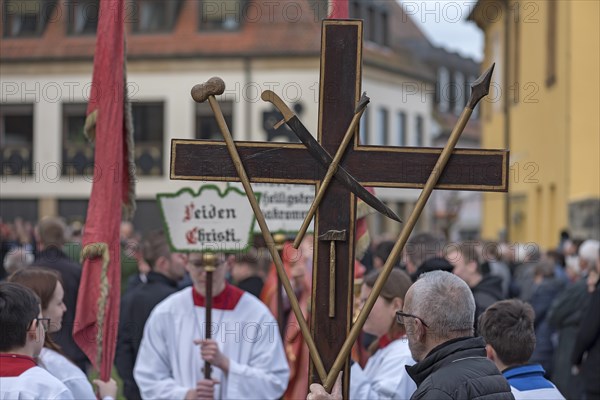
{"x": 109, "y": 124}
{"x": 338, "y": 9}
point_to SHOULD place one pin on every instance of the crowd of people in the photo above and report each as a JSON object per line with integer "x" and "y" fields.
{"x": 454, "y": 320}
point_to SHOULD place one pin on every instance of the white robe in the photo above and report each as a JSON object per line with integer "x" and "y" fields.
{"x": 35, "y": 383}
{"x": 384, "y": 376}
{"x": 169, "y": 363}
{"x": 68, "y": 373}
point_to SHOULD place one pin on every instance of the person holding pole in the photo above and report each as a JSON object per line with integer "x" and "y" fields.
{"x": 244, "y": 348}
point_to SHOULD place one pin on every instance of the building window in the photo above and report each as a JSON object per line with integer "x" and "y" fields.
{"x": 516, "y": 52}
{"x": 26, "y": 18}
{"x": 145, "y": 219}
{"x": 72, "y": 210}
{"x": 370, "y": 24}
{"x": 551, "y": 43}
{"x": 382, "y": 128}
{"x": 443, "y": 89}
{"x": 475, "y": 113}
{"x": 83, "y": 17}
{"x": 206, "y": 124}
{"x": 155, "y": 16}
{"x": 16, "y": 139}
{"x": 221, "y": 15}
{"x": 355, "y": 9}
{"x": 459, "y": 95}
{"x": 376, "y": 22}
{"x": 401, "y": 139}
{"x": 77, "y": 150}
{"x": 25, "y": 209}
{"x": 385, "y": 40}
{"x": 420, "y": 131}
{"x": 148, "y": 128}
{"x": 364, "y": 127}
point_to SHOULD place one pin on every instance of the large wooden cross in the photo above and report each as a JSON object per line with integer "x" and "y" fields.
{"x": 397, "y": 167}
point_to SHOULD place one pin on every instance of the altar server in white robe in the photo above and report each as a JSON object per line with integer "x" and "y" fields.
{"x": 245, "y": 351}
{"x": 20, "y": 343}
{"x": 384, "y": 375}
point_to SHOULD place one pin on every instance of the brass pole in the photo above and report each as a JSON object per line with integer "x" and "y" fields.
{"x": 331, "y": 170}
{"x": 480, "y": 88}
{"x": 208, "y": 261}
{"x": 237, "y": 162}
{"x": 279, "y": 242}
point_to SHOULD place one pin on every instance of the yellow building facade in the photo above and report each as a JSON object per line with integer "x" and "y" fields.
{"x": 545, "y": 107}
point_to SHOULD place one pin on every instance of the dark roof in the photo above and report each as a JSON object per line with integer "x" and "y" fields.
{"x": 271, "y": 33}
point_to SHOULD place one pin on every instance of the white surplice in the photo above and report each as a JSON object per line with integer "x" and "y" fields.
{"x": 169, "y": 363}
{"x": 33, "y": 384}
{"x": 384, "y": 376}
{"x": 68, "y": 373}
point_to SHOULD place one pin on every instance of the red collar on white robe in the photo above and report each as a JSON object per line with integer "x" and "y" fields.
{"x": 385, "y": 340}
{"x": 15, "y": 364}
{"x": 226, "y": 300}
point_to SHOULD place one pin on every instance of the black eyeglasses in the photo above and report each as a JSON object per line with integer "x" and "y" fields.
{"x": 44, "y": 321}
{"x": 400, "y": 318}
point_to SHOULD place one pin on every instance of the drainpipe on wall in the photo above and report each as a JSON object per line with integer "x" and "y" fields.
{"x": 506, "y": 71}
{"x": 247, "y": 127}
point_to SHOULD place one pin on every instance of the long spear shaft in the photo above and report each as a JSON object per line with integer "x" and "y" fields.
{"x": 480, "y": 88}
{"x": 279, "y": 242}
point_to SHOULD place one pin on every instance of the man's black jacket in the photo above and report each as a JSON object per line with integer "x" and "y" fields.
{"x": 459, "y": 369}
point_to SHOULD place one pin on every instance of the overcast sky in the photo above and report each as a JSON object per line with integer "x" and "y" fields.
{"x": 445, "y": 24}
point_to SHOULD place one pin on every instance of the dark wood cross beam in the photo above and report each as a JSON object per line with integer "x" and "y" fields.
{"x": 398, "y": 167}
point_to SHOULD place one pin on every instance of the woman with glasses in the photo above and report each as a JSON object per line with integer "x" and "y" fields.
{"x": 47, "y": 285}
{"x": 384, "y": 375}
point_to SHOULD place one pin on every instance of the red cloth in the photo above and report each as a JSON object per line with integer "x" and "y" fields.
{"x": 15, "y": 364}
{"x": 295, "y": 347}
{"x": 339, "y": 9}
{"x": 110, "y": 188}
{"x": 226, "y": 300}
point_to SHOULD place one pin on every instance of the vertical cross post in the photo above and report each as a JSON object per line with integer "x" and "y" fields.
{"x": 340, "y": 88}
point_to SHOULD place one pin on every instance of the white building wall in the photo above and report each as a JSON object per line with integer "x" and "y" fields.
{"x": 166, "y": 82}
{"x": 170, "y": 82}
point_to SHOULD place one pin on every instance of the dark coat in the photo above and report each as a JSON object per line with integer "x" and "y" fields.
{"x": 459, "y": 369}
{"x": 136, "y": 306}
{"x": 432, "y": 264}
{"x": 486, "y": 292}
{"x": 70, "y": 273}
{"x": 253, "y": 285}
{"x": 541, "y": 300}
{"x": 565, "y": 316}
{"x": 588, "y": 342}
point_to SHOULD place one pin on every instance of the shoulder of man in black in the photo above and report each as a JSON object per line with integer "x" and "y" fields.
{"x": 57, "y": 260}
{"x": 460, "y": 369}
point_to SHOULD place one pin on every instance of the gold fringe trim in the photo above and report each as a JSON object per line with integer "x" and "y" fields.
{"x": 363, "y": 209}
{"x": 93, "y": 250}
{"x": 129, "y": 206}
{"x": 362, "y": 244}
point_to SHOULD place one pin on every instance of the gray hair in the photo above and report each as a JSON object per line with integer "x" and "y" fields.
{"x": 588, "y": 251}
{"x": 445, "y": 303}
{"x": 17, "y": 258}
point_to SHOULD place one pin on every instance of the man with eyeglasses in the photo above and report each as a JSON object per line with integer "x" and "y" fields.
{"x": 438, "y": 315}
{"x": 21, "y": 340}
